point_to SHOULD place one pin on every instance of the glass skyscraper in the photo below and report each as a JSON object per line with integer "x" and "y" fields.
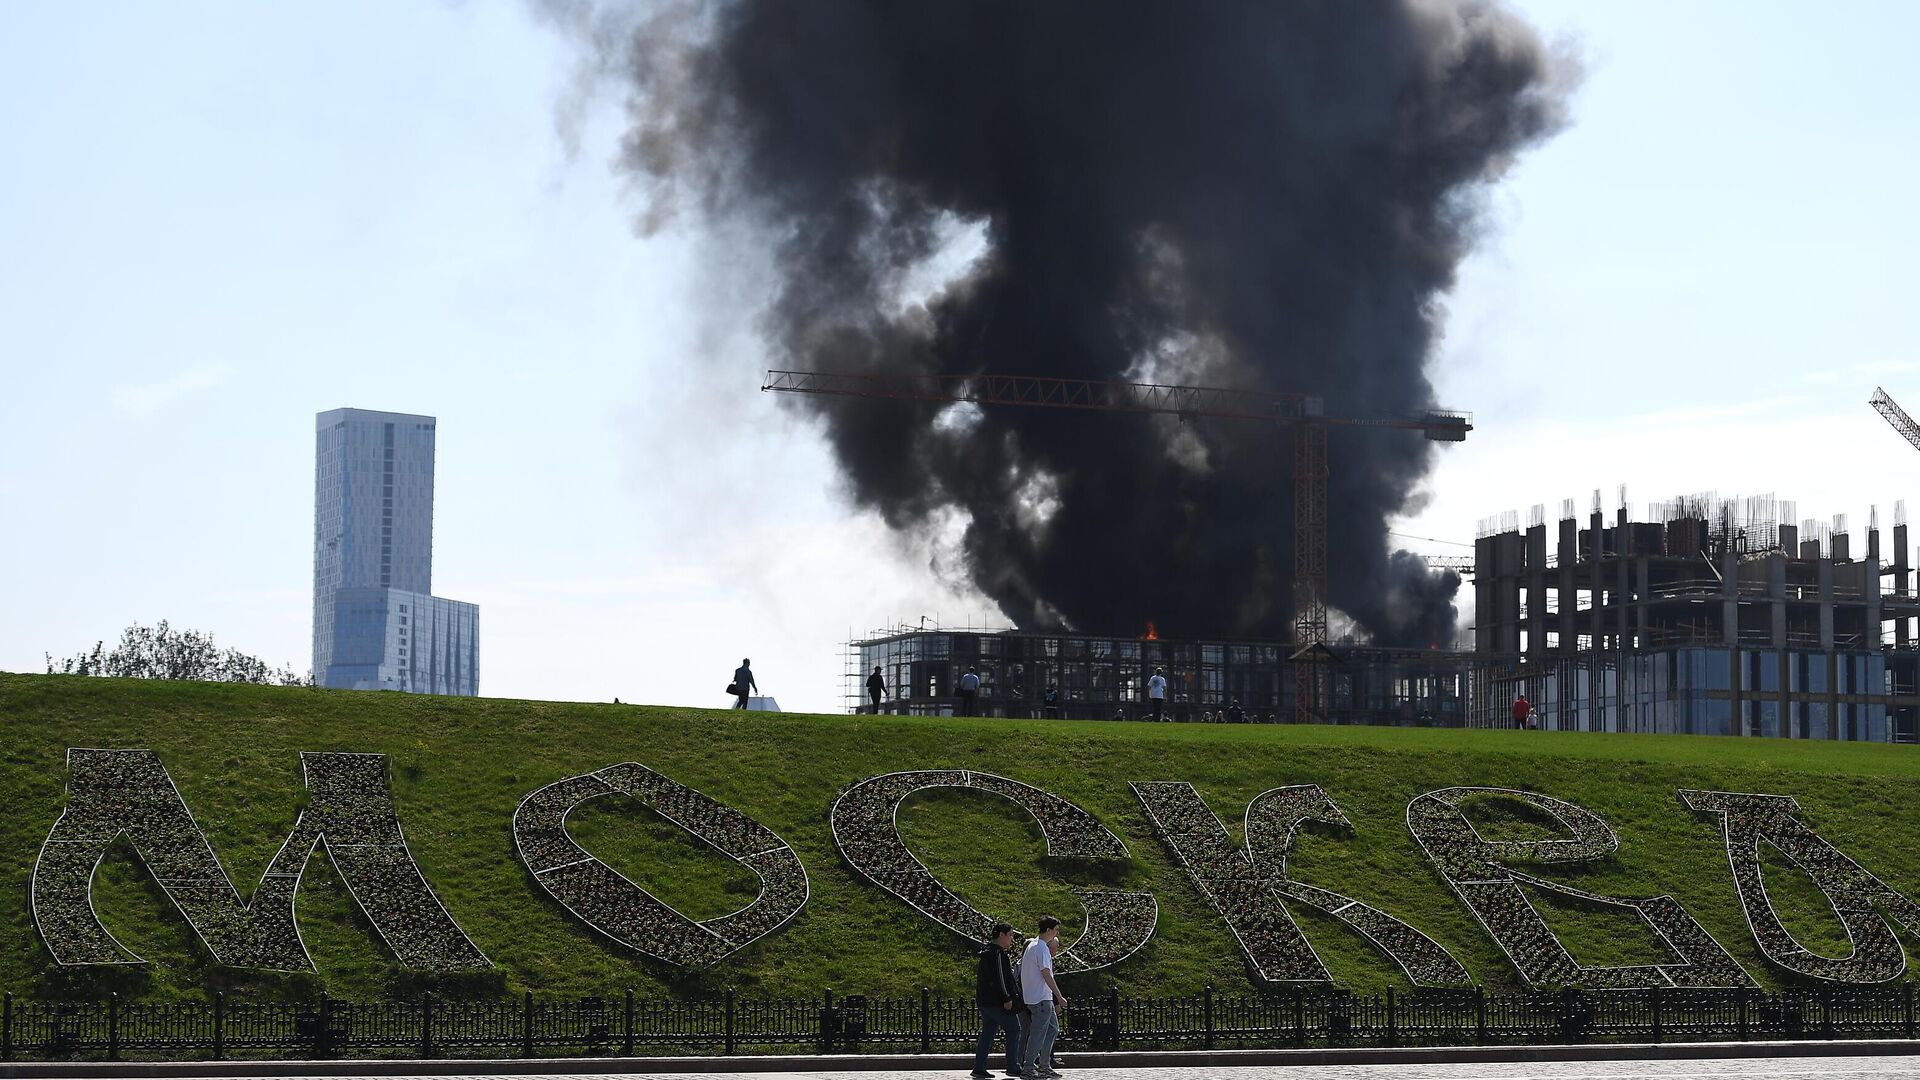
{"x": 376, "y": 624}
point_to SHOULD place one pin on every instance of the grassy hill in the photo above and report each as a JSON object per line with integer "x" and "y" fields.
{"x": 460, "y": 766}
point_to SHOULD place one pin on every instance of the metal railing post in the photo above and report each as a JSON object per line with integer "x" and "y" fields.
{"x": 526, "y": 1025}
{"x": 1826, "y": 1012}
{"x": 826, "y": 1022}
{"x": 323, "y": 1039}
{"x": 1393, "y": 1025}
{"x": 730, "y": 1022}
{"x": 626, "y": 1043}
{"x": 113, "y": 1026}
{"x": 1906, "y": 1006}
{"x": 1746, "y": 997}
{"x": 6, "y": 1028}
{"x": 1480, "y": 1015}
{"x": 926, "y": 1019}
{"x": 1658, "y": 1026}
{"x": 1113, "y": 1010}
{"x": 219, "y": 1024}
{"x": 1299, "y": 1018}
{"x": 1206, "y": 1013}
{"x": 426, "y": 1024}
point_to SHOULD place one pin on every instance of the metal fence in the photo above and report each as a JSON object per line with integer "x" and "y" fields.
{"x": 731, "y": 1024}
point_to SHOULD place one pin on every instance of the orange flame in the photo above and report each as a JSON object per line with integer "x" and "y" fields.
{"x": 1151, "y": 634}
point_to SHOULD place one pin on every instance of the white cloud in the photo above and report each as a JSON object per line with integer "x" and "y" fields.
{"x": 145, "y": 399}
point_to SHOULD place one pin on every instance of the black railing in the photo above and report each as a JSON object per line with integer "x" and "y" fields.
{"x": 625, "y": 1025}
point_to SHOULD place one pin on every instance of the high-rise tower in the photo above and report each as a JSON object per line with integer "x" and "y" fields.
{"x": 376, "y": 625}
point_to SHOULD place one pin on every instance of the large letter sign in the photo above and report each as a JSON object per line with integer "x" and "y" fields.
{"x": 1479, "y": 873}
{"x": 604, "y": 899}
{"x": 868, "y": 835}
{"x": 1247, "y": 886}
{"x": 1863, "y": 902}
{"x": 349, "y": 811}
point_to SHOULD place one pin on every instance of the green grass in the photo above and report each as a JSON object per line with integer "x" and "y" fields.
{"x": 460, "y": 766}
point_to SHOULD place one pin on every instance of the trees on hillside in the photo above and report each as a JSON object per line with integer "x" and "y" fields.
{"x": 161, "y": 652}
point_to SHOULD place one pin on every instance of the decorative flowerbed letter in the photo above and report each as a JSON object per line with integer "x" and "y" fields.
{"x": 349, "y": 809}
{"x": 1477, "y": 871}
{"x": 601, "y": 897}
{"x": 1864, "y": 903}
{"x": 1246, "y": 885}
{"x": 867, "y": 833}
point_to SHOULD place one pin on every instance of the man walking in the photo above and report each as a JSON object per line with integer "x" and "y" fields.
{"x": 1043, "y": 999}
{"x": 1157, "y": 691}
{"x": 743, "y": 683}
{"x": 876, "y": 689}
{"x": 969, "y": 691}
{"x": 996, "y": 991}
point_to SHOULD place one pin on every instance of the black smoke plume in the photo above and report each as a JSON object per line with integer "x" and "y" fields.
{"x": 1269, "y": 194}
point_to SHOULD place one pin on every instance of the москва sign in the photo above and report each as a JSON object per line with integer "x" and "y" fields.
{"x": 350, "y": 812}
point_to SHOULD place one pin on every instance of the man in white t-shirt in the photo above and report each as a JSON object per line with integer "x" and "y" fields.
{"x": 1157, "y": 691}
{"x": 1043, "y": 1000}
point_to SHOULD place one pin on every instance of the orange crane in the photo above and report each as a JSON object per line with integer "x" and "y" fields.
{"x": 1303, "y": 413}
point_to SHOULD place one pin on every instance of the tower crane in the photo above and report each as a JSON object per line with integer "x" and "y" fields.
{"x": 1305, "y": 414}
{"x": 1895, "y": 415}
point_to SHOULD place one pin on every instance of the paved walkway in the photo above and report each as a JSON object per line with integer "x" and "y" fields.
{"x": 1825, "y": 1068}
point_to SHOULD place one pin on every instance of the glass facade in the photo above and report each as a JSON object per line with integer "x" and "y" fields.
{"x": 1705, "y": 690}
{"x": 376, "y": 625}
{"x": 1099, "y": 678}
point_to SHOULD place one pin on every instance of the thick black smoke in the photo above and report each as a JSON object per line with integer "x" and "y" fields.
{"x": 1270, "y": 194}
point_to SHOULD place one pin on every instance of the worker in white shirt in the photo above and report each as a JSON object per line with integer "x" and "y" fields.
{"x": 969, "y": 691}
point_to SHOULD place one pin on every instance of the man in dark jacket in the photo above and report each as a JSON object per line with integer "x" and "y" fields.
{"x": 876, "y": 688}
{"x": 743, "y": 683}
{"x": 998, "y": 994}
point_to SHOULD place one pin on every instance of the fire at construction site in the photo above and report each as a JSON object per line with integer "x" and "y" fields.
{"x": 1171, "y": 210}
{"x": 1142, "y": 319}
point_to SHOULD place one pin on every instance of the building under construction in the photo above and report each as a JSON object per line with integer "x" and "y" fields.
{"x": 1713, "y": 616}
{"x": 1105, "y": 678}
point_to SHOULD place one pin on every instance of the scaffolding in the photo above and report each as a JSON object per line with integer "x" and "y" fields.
{"x": 1092, "y": 677}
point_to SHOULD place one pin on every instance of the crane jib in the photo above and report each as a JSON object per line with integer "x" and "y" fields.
{"x": 1304, "y": 413}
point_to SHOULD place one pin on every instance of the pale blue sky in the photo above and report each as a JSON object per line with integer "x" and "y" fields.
{"x": 219, "y": 219}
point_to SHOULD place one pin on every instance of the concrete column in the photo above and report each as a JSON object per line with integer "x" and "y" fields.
{"x": 1623, "y": 606}
{"x": 1642, "y": 586}
{"x": 1597, "y": 624}
{"x": 1901, "y": 628}
{"x": 1537, "y": 621}
{"x": 1826, "y": 604}
{"x": 1486, "y": 579}
{"x": 1569, "y": 555}
{"x": 1730, "y": 596}
{"x": 1870, "y": 591}
{"x": 1777, "y": 601}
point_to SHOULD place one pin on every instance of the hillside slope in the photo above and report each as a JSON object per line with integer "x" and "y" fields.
{"x": 459, "y": 767}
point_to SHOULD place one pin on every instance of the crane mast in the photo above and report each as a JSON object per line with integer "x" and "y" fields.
{"x": 1305, "y": 414}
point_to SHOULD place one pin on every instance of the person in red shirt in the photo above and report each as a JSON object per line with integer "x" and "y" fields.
{"x": 1522, "y": 712}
